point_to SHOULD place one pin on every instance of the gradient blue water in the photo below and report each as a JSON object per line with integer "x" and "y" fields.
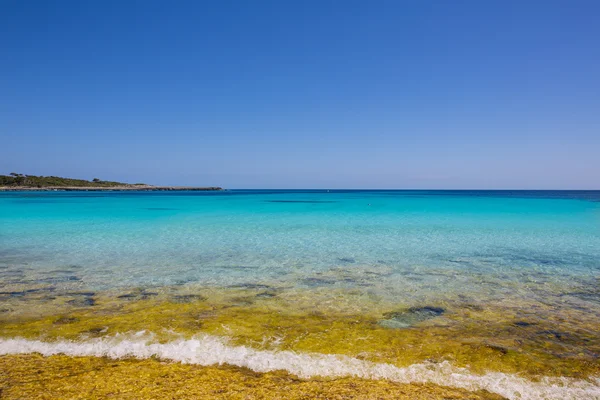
{"x": 403, "y": 243}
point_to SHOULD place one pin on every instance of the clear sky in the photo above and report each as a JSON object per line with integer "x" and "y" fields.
{"x": 303, "y": 94}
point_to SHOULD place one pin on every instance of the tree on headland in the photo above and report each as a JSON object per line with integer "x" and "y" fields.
{"x": 19, "y": 179}
{"x": 96, "y": 180}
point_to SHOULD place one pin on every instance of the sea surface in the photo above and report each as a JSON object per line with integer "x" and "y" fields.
{"x": 524, "y": 264}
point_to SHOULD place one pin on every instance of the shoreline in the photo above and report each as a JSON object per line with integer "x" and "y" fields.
{"x": 109, "y": 189}
{"x": 266, "y": 319}
{"x": 60, "y": 376}
{"x": 321, "y": 339}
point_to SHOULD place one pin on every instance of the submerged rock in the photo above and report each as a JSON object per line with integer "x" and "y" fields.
{"x": 496, "y": 347}
{"x": 250, "y": 286}
{"x": 60, "y": 279}
{"x": 523, "y": 324}
{"x": 81, "y": 293}
{"x": 137, "y": 295}
{"x": 317, "y": 282}
{"x": 127, "y": 296}
{"x": 266, "y": 295}
{"x": 84, "y": 301}
{"x": 410, "y": 317}
{"x": 188, "y": 298}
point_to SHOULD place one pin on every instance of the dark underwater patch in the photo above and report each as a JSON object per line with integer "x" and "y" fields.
{"x": 188, "y": 298}
{"x": 410, "y": 317}
{"x": 66, "y": 320}
{"x": 23, "y": 293}
{"x": 83, "y": 301}
{"x": 523, "y": 324}
{"x": 127, "y": 296}
{"x": 591, "y": 296}
{"x": 88, "y": 294}
{"x": 301, "y": 201}
{"x": 59, "y": 279}
{"x": 501, "y": 349}
{"x": 317, "y": 282}
{"x": 266, "y": 295}
{"x": 250, "y": 286}
{"x": 141, "y": 295}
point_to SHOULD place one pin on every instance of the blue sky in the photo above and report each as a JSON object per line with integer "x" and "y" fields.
{"x": 303, "y": 94}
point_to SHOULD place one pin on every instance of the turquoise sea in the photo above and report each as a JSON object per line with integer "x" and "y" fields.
{"x": 431, "y": 242}
{"x": 414, "y": 248}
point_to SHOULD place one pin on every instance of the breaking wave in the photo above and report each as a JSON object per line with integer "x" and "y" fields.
{"x": 211, "y": 350}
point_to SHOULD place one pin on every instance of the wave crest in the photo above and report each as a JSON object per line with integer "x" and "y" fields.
{"x": 211, "y": 350}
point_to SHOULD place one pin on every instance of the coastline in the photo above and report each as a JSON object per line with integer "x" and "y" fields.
{"x": 139, "y": 188}
{"x": 277, "y": 340}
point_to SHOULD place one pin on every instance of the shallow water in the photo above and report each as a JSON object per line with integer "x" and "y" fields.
{"x": 491, "y": 280}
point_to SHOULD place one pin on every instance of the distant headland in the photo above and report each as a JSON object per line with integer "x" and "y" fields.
{"x": 17, "y": 182}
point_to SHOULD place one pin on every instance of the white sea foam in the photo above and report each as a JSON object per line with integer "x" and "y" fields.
{"x": 211, "y": 350}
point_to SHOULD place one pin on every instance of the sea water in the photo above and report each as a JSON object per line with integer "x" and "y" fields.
{"x": 412, "y": 248}
{"x": 431, "y": 240}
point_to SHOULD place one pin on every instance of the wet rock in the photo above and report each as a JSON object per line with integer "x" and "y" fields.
{"x": 410, "y": 317}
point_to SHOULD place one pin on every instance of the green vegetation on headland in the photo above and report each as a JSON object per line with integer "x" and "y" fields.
{"x": 23, "y": 180}
{"x": 16, "y": 181}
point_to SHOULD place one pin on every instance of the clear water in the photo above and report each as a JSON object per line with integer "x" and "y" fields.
{"x": 403, "y": 244}
{"x": 489, "y": 279}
